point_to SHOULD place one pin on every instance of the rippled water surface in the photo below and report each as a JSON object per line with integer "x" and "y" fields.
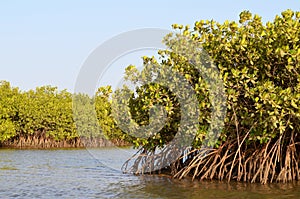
{"x": 78, "y": 174}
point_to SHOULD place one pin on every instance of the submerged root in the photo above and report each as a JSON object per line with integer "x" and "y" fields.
{"x": 155, "y": 161}
{"x": 266, "y": 164}
{"x": 276, "y": 161}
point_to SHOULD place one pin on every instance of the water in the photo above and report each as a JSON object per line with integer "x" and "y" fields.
{"x": 78, "y": 174}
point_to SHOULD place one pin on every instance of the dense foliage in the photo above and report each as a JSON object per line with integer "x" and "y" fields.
{"x": 48, "y": 113}
{"x": 259, "y": 65}
{"x": 260, "y": 68}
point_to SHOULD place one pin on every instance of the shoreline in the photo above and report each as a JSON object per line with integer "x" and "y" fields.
{"x": 31, "y": 142}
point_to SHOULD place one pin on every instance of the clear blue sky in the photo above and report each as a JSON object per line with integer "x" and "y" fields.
{"x": 46, "y": 42}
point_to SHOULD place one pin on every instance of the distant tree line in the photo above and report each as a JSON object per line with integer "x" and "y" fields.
{"x": 44, "y": 117}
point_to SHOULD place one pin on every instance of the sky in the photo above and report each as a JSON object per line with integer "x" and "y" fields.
{"x": 47, "y": 42}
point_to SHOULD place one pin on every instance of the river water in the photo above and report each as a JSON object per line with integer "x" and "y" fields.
{"x": 82, "y": 174}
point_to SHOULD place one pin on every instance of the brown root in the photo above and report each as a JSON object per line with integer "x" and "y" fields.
{"x": 39, "y": 140}
{"x": 275, "y": 161}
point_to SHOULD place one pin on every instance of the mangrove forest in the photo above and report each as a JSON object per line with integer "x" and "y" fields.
{"x": 258, "y": 117}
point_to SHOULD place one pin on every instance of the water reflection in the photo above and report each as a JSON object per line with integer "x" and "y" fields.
{"x": 76, "y": 174}
{"x": 164, "y": 187}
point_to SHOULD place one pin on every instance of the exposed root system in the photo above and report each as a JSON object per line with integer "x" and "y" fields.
{"x": 275, "y": 161}
{"x": 41, "y": 141}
